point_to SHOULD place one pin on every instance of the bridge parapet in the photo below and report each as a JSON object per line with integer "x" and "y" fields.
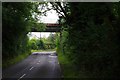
{"x": 50, "y": 27}
{"x": 52, "y": 24}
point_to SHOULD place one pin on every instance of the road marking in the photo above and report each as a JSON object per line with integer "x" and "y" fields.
{"x": 49, "y": 61}
{"x": 58, "y": 62}
{"x": 38, "y": 61}
{"x": 31, "y": 68}
{"x": 22, "y": 76}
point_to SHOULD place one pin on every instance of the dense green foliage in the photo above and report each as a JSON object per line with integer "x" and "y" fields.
{"x": 44, "y": 43}
{"x": 15, "y": 28}
{"x": 51, "y": 40}
{"x": 90, "y": 37}
{"x": 17, "y": 21}
{"x": 33, "y": 44}
{"x": 40, "y": 44}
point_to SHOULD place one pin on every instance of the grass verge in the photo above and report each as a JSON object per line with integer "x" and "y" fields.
{"x": 9, "y": 62}
{"x": 68, "y": 69}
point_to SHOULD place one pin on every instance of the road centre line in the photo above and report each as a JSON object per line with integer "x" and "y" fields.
{"x": 22, "y": 76}
{"x": 31, "y": 68}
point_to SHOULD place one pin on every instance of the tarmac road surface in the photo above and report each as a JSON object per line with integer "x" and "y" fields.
{"x": 36, "y": 66}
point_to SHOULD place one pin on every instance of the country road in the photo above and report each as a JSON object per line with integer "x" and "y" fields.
{"x": 37, "y": 65}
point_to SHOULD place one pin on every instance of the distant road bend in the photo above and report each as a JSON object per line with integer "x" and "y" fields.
{"x": 37, "y": 65}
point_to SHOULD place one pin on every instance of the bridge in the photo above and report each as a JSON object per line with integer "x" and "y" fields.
{"x": 50, "y": 27}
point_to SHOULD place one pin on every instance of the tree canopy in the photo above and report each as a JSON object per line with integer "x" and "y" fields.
{"x": 90, "y": 33}
{"x": 90, "y": 36}
{"x": 18, "y": 19}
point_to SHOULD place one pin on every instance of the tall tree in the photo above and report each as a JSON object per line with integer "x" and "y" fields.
{"x": 91, "y": 37}
{"x": 18, "y": 18}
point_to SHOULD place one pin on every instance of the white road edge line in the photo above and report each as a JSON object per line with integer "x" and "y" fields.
{"x": 31, "y": 68}
{"x": 22, "y": 76}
